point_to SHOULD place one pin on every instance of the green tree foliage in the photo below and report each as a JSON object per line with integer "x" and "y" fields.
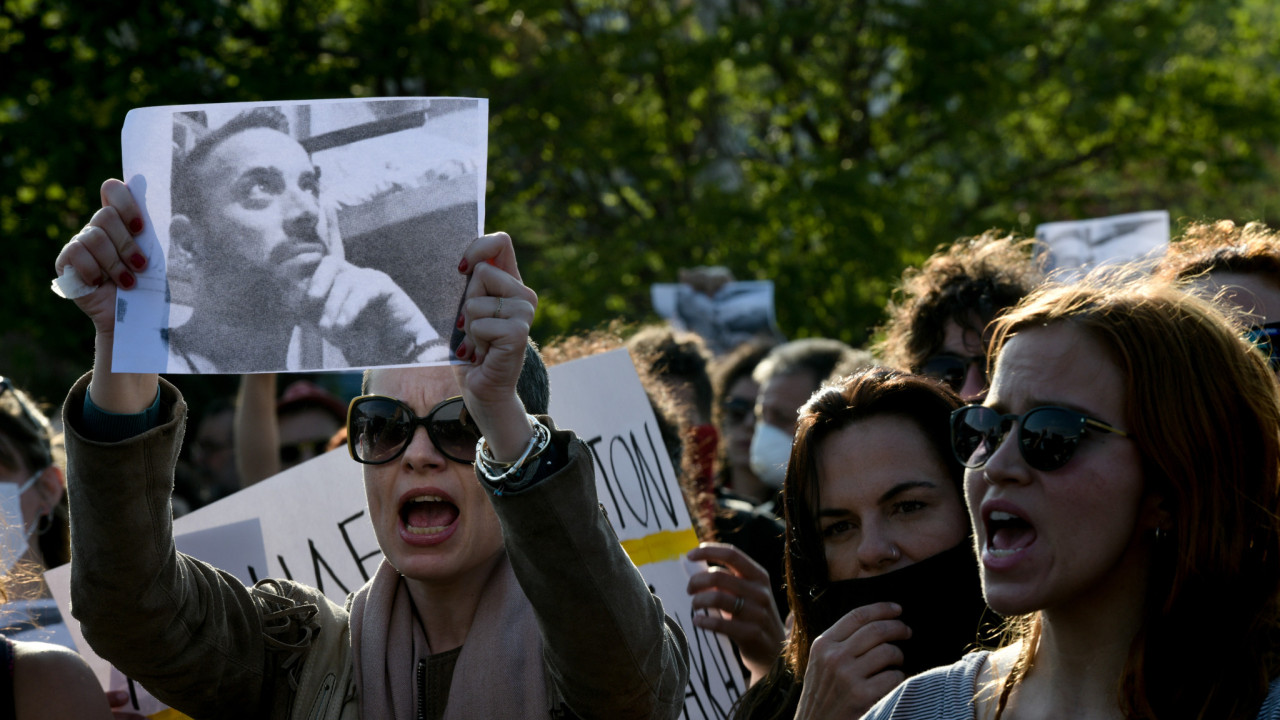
{"x": 823, "y": 144}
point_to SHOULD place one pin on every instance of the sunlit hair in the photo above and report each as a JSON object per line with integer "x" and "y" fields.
{"x": 1202, "y": 408}
{"x": 968, "y": 282}
{"x": 1223, "y": 246}
{"x": 877, "y": 392}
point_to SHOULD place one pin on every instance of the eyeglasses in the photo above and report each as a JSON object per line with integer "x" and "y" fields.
{"x": 737, "y": 409}
{"x": 1267, "y": 338}
{"x": 952, "y": 369}
{"x": 379, "y": 429}
{"x": 294, "y": 453}
{"x": 1047, "y": 436}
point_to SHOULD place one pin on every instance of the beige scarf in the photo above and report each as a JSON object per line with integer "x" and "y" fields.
{"x": 499, "y": 673}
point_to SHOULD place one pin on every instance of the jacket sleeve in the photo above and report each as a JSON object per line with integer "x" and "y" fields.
{"x": 190, "y": 633}
{"x": 610, "y": 649}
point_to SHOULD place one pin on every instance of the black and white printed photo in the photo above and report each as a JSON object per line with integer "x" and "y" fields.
{"x": 318, "y": 236}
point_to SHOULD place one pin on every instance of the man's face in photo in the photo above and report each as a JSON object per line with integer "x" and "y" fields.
{"x": 260, "y": 211}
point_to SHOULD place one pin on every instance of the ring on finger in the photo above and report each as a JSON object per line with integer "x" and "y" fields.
{"x": 737, "y": 605}
{"x": 498, "y": 309}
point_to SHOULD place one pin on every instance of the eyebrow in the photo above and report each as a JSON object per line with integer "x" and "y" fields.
{"x": 889, "y": 494}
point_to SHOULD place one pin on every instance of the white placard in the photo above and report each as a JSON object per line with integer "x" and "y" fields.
{"x": 1069, "y": 249}
{"x": 300, "y": 235}
{"x": 738, "y": 312}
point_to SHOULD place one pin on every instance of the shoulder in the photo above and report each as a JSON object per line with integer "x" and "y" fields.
{"x": 52, "y": 681}
{"x": 943, "y": 692}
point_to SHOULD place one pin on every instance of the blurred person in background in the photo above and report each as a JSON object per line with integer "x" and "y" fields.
{"x": 1242, "y": 264}
{"x": 275, "y": 434}
{"x": 938, "y": 316}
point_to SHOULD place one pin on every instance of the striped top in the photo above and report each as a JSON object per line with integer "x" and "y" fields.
{"x": 946, "y": 693}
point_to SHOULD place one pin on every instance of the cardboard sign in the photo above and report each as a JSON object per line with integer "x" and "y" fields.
{"x": 346, "y": 218}
{"x": 1070, "y": 249}
{"x": 314, "y": 527}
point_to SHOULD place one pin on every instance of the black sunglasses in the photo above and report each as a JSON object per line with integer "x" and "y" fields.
{"x": 1047, "y": 436}
{"x": 737, "y": 409}
{"x": 951, "y": 369}
{"x": 379, "y": 429}
{"x": 1267, "y": 339}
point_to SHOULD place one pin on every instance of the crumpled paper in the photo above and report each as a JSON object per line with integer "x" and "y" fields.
{"x": 70, "y": 286}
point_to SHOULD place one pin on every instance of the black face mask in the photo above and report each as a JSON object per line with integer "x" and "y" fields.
{"x": 941, "y": 599}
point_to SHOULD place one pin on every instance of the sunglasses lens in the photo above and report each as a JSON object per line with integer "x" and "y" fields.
{"x": 947, "y": 368}
{"x": 737, "y": 409}
{"x": 975, "y": 433}
{"x": 452, "y": 430}
{"x": 1049, "y": 437}
{"x": 378, "y": 429}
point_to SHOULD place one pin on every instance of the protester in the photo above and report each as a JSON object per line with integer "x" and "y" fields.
{"x": 734, "y": 413}
{"x": 939, "y": 313}
{"x": 1124, "y": 475}
{"x": 275, "y": 434}
{"x": 210, "y": 473}
{"x": 678, "y": 360}
{"x": 503, "y": 593}
{"x": 246, "y": 211}
{"x": 787, "y": 376}
{"x": 874, "y": 516}
{"x": 1240, "y": 263}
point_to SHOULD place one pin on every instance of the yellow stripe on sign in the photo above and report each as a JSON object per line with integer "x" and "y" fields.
{"x": 168, "y": 714}
{"x": 660, "y": 546}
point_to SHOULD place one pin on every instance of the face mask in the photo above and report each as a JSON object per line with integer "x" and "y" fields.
{"x": 941, "y": 600}
{"x": 770, "y": 451}
{"x": 13, "y": 532}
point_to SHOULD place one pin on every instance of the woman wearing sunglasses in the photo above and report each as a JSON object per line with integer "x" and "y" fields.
{"x": 1123, "y": 479}
{"x": 1242, "y": 264}
{"x": 503, "y": 592}
{"x": 881, "y": 575}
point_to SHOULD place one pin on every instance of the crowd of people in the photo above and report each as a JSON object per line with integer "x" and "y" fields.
{"x": 1026, "y": 498}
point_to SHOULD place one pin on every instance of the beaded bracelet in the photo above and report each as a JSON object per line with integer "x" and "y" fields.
{"x": 497, "y": 472}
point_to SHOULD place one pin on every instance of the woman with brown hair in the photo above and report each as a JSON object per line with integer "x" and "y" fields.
{"x": 1123, "y": 479}
{"x": 881, "y": 575}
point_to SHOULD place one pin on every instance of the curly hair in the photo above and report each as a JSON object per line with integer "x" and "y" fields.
{"x": 1223, "y": 246}
{"x": 969, "y": 283}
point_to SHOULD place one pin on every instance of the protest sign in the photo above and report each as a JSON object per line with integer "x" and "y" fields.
{"x": 346, "y": 218}
{"x": 314, "y": 527}
{"x": 735, "y": 312}
{"x": 1069, "y": 249}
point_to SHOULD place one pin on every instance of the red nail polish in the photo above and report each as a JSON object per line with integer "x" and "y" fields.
{"x": 126, "y": 280}
{"x": 462, "y": 350}
{"x": 138, "y": 261}
{"x": 462, "y": 266}
{"x": 461, "y": 321}
{"x": 135, "y": 226}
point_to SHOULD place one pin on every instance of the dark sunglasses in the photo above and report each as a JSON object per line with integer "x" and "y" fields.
{"x": 1047, "y": 436}
{"x": 294, "y": 453}
{"x": 951, "y": 369}
{"x": 737, "y": 409}
{"x": 1267, "y": 339}
{"x": 379, "y": 429}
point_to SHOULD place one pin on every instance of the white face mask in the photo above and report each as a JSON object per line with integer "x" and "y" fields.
{"x": 770, "y": 451}
{"x": 14, "y": 533}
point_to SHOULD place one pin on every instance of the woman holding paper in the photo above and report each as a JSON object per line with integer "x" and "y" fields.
{"x": 503, "y": 592}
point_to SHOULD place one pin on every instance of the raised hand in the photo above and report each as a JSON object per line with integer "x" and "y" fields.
{"x": 740, "y": 589}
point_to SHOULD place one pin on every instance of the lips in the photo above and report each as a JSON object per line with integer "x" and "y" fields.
{"x": 1008, "y": 534}
{"x": 427, "y": 517}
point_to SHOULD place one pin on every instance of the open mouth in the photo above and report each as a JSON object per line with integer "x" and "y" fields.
{"x": 428, "y": 514}
{"x": 1007, "y": 533}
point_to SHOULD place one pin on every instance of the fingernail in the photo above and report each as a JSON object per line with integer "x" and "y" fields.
{"x": 135, "y": 226}
{"x": 138, "y": 261}
{"x": 126, "y": 280}
{"x": 462, "y": 266}
{"x": 460, "y": 321}
{"x": 462, "y": 350}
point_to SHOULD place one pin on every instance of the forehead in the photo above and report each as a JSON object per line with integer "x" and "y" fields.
{"x": 859, "y": 463}
{"x": 1058, "y": 365}
{"x": 743, "y": 387}
{"x": 961, "y": 341}
{"x": 420, "y": 387}
{"x": 256, "y": 147}
{"x": 788, "y": 391}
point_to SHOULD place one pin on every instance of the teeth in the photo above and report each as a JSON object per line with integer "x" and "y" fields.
{"x": 1002, "y": 516}
{"x": 426, "y": 498}
{"x": 1003, "y": 553}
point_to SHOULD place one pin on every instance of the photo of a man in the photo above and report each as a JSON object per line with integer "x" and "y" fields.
{"x": 261, "y": 270}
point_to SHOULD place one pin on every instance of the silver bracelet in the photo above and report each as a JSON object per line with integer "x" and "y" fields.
{"x": 497, "y": 472}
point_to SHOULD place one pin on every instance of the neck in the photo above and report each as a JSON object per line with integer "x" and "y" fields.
{"x": 230, "y": 337}
{"x": 447, "y": 608}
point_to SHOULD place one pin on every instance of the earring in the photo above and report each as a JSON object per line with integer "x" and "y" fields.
{"x": 44, "y": 524}
{"x": 896, "y": 555}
